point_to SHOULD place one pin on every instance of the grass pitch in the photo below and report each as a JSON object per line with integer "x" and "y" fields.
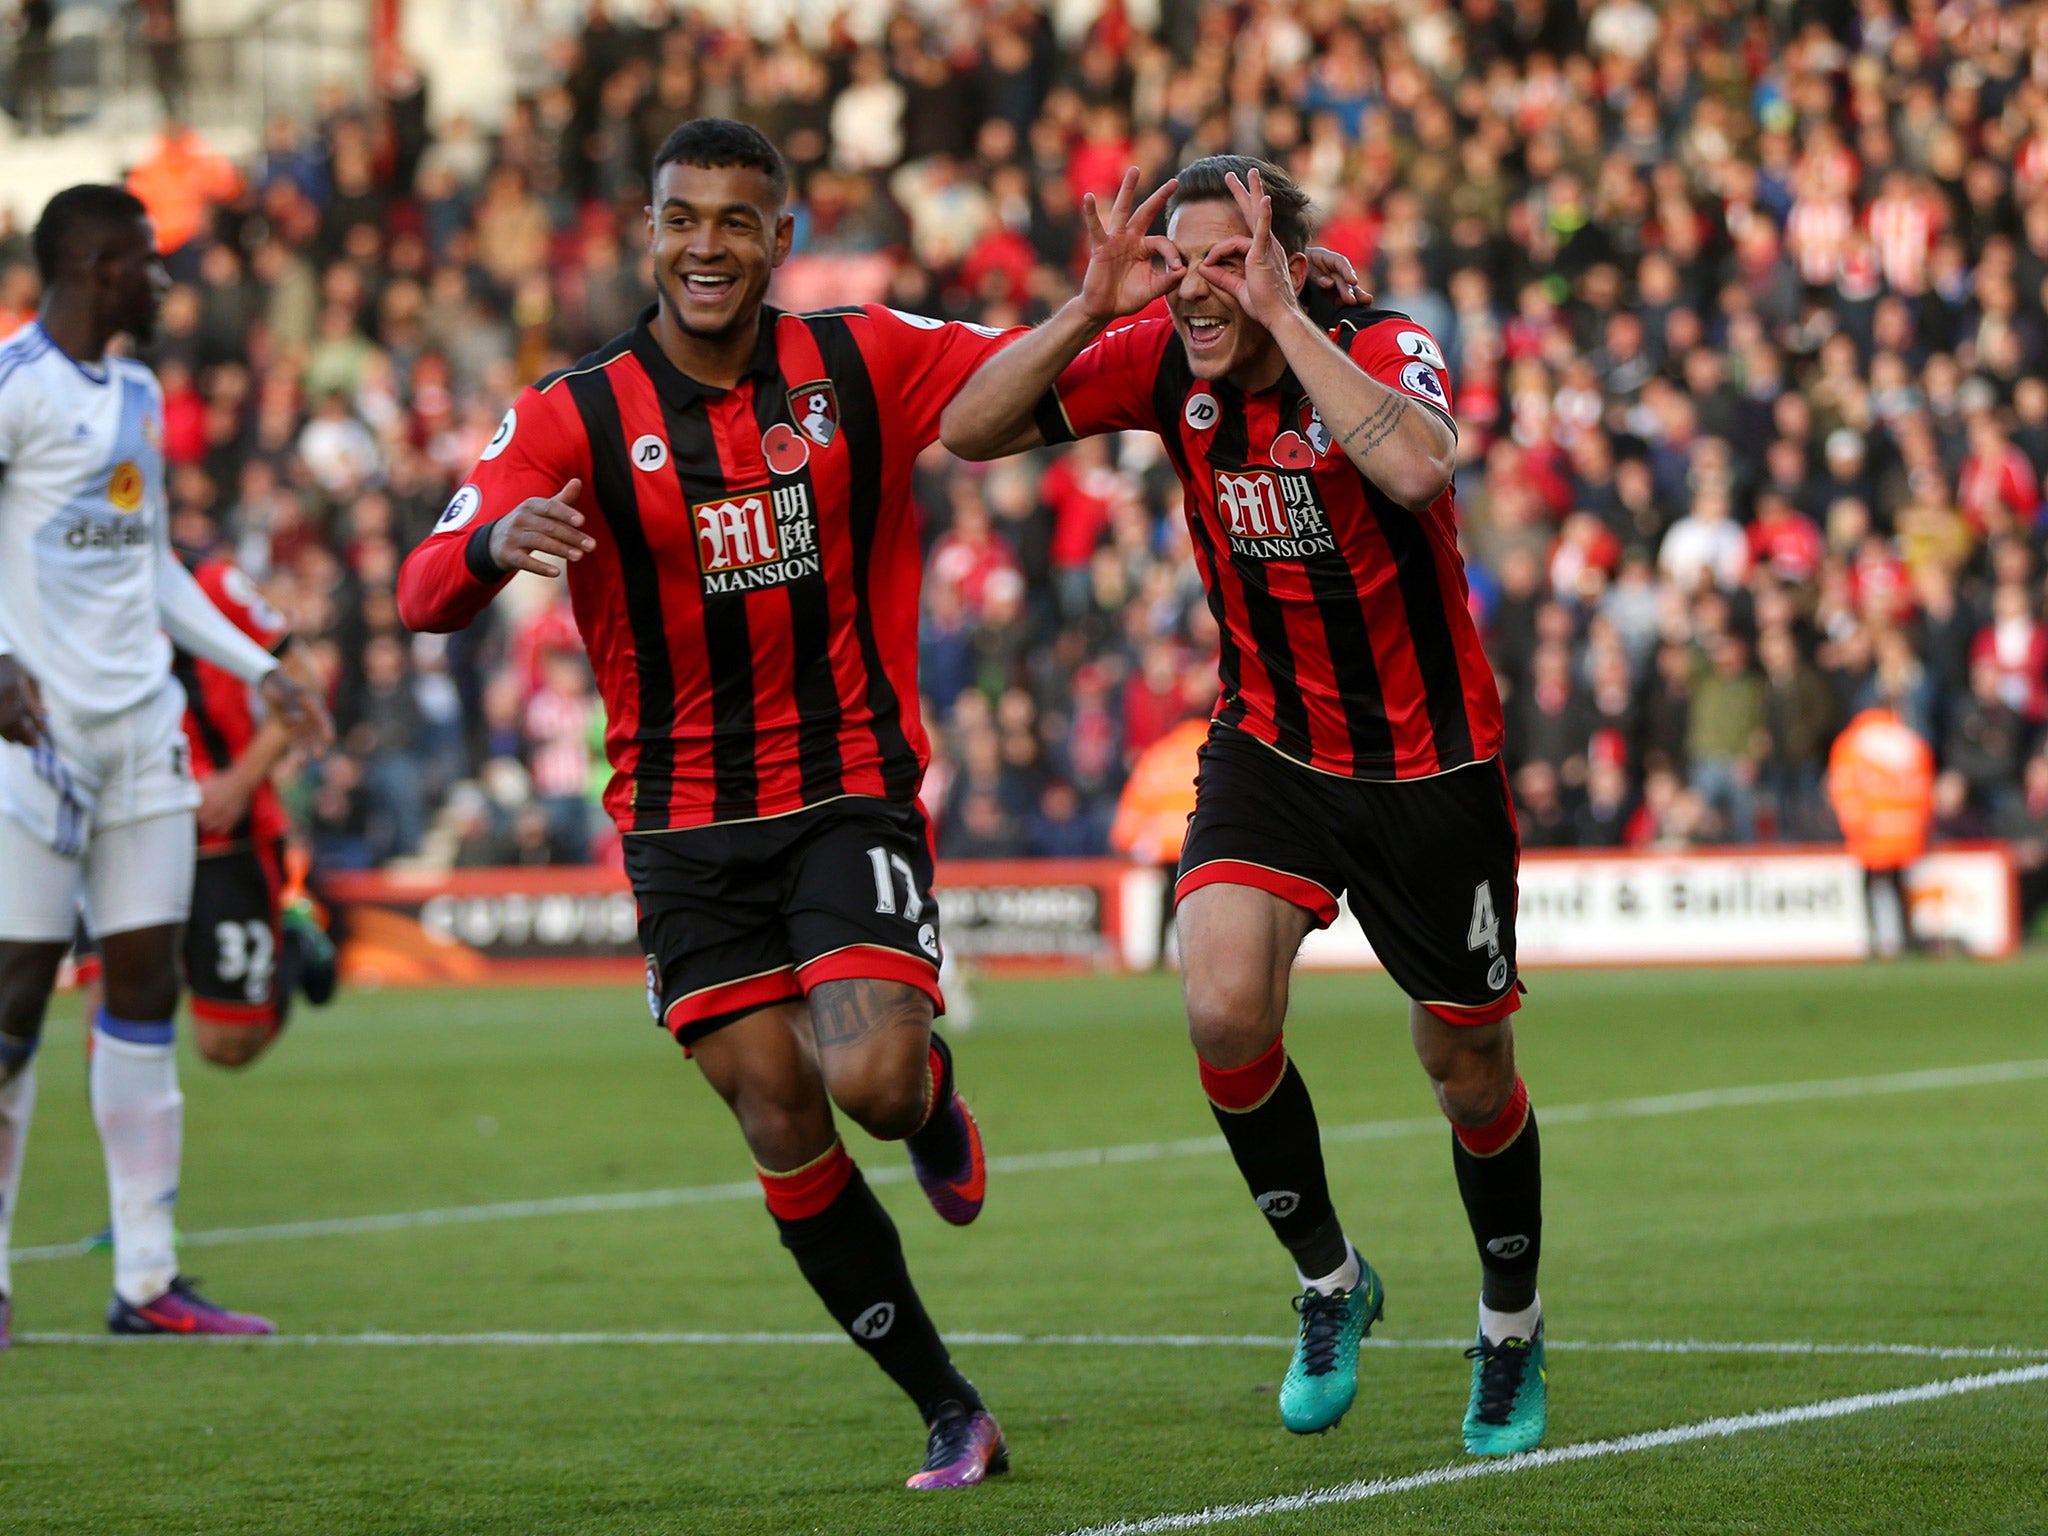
{"x": 1889, "y": 1211}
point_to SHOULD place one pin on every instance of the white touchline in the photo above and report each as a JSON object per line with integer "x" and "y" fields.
{"x": 534, "y": 1340}
{"x": 1095, "y": 1157}
{"x": 1584, "y": 1450}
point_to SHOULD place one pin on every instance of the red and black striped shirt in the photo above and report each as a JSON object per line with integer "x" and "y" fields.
{"x": 1347, "y": 642}
{"x": 750, "y": 609}
{"x": 220, "y": 709}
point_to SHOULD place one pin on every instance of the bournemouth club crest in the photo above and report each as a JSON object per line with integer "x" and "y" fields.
{"x": 815, "y": 409}
{"x": 1312, "y": 428}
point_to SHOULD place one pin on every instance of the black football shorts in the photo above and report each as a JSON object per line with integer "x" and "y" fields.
{"x": 234, "y": 939}
{"x": 1428, "y": 865}
{"x": 745, "y": 915}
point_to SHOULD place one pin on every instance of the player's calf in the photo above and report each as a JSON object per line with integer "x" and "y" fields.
{"x": 1496, "y": 1152}
{"x": 847, "y": 1248}
{"x": 233, "y": 1045}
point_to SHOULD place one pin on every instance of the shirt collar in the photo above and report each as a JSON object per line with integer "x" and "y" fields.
{"x": 678, "y": 386}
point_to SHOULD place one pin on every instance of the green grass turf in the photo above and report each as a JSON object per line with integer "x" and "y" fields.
{"x": 1912, "y": 1218}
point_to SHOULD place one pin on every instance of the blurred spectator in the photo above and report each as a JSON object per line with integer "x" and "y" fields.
{"x": 558, "y": 722}
{"x": 2024, "y": 820}
{"x": 1727, "y": 737}
{"x": 181, "y": 179}
{"x": 1799, "y": 719}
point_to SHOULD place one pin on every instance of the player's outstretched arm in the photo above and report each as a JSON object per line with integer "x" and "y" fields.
{"x": 1128, "y": 270}
{"x": 1405, "y": 449}
{"x": 194, "y": 624}
{"x": 453, "y": 576}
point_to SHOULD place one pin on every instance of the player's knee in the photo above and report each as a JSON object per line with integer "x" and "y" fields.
{"x": 782, "y": 1133}
{"x": 140, "y": 998}
{"x": 21, "y": 1011}
{"x": 1232, "y": 1015}
{"x": 28, "y": 972}
{"x": 1473, "y": 1080}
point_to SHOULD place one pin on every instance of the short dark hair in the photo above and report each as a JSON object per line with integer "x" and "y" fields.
{"x": 72, "y": 216}
{"x": 717, "y": 142}
{"x": 1203, "y": 182}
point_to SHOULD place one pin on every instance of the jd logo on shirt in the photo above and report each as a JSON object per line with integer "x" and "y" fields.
{"x": 649, "y": 453}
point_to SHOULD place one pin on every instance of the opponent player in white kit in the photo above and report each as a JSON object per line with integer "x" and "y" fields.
{"x": 96, "y": 798}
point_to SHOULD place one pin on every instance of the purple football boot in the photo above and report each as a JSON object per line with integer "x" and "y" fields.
{"x": 965, "y": 1448}
{"x": 181, "y": 1309}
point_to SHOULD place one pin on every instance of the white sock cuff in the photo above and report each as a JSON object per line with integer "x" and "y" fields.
{"x": 1342, "y": 1278}
{"x": 1510, "y": 1325}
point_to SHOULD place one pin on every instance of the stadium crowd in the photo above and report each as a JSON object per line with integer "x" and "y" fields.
{"x": 1746, "y": 308}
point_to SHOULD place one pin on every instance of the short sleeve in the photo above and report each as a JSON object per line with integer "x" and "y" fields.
{"x": 920, "y": 364}
{"x": 235, "y": 595}
{"x": 1406, "y": 358}
{"x": 1108, "y": 388}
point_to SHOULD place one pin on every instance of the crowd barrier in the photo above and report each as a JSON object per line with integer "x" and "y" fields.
{"x": 1708, "y": 906}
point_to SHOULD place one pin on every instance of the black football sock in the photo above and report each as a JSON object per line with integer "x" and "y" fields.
{"x": 941, "y": 1142}
{"x": 1500, "y": 1177}
{"x": 851, "y": 1255}
{"x": 1266, "y": 1116}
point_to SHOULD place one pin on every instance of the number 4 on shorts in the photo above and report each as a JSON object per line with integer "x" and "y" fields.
{"x": 1485, "y": 930}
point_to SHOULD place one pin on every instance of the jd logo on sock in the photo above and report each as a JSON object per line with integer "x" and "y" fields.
{"x": 1508, "y": 1247}
{"x": 1279, "y": 1203}
{"x": 874, "y": 1322}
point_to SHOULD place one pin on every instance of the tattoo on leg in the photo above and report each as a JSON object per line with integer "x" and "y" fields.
{"x": 846, "y": 1013}
{"x": 1377, "y": 427}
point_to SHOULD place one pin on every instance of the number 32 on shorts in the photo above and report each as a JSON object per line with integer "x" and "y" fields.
{"x": 1484, "y": 933}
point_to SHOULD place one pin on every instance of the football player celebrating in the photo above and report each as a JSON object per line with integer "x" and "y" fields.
{"x": 96, "y": 795}
{"x": 728, "y": 488}
{"x": 1355, "y": 748}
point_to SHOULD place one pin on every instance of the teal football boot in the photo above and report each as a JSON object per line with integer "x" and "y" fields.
{"x": 1322, "y": 1379}
{"x": 1509, "y": 1403}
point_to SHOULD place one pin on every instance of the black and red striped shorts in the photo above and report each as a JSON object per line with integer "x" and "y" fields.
{"x": 1427, "y": 865}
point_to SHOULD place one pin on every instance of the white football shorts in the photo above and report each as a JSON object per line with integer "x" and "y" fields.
{"x": 101, "y": 813}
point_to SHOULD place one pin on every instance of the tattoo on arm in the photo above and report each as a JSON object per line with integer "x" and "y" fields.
{"x": 846, "y": 1014}
{"x": 1377, "y": 427}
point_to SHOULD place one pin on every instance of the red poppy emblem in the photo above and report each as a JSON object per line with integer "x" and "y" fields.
{"x": 785, "y": 452}
{"x": 1291, "y": 452}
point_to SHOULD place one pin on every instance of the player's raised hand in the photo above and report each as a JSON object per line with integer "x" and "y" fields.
{"x": 1333, "y": 270}
{"x": 21, "y": 704}
{"x": 303, "y": 714}
{"x": 1265, "y": 287}
{"x": 1127, "y": 268}
{"x": 541, "y": 525}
